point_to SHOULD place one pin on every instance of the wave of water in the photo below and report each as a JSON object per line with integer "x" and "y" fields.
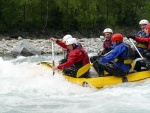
{"x": 26, "y": 87}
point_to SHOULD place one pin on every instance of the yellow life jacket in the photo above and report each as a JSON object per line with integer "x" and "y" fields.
{"x": 141, "y": 45}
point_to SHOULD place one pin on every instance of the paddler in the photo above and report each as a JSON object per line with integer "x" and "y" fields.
{"x": 77, "y": 57}
{"x": 145, "y": 51}
{"x": 118, "y": 61}
{"x": 64, "y": 46}
{"x": 107, "y": 44}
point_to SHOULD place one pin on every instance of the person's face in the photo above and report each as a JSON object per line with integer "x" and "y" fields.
{"x": 146, "y": 30}
{"x": 70, "y": 47}
{"x": 107, "y": 35}
{"x": 142, "y": 26}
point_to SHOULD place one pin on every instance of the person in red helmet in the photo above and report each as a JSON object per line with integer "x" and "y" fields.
{"x": 77, "y": 57}
{"x": 118, "y": 61}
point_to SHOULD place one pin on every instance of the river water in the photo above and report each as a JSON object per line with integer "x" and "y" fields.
{"x": 26, "y": 87}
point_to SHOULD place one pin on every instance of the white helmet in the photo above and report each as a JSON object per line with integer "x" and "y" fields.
{"x": 107, "y": 30}
{"x": 143, "y": 22}
{"x": 66, "y": 37}
{"x": 71, "y": 41}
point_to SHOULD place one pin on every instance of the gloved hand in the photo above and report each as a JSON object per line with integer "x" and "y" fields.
{"x": 53, "y": 39}
{"x": 131, "y": 36}
{"x": 107, "y": 48}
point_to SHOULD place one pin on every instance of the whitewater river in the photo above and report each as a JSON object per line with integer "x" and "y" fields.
{"x": 26, "y": 87}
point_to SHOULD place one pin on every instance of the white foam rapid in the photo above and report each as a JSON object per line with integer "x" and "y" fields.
{"x": 26, "y": 87}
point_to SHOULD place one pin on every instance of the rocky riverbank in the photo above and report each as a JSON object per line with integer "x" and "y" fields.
{"x": 8, "y": 47}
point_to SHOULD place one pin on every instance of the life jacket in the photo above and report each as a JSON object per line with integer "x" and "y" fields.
{"x": 84, "y": 61}
{"x": 141, "y": 34}
{"x": 107, "y": 46}
{"x": 142, "y": 45}
{"x": 129, "y": 58}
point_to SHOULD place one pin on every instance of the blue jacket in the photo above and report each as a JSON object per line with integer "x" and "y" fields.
{"x": 141, "y": 34}
{"x": 119, "y": 50}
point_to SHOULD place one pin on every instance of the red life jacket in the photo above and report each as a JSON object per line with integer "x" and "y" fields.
{"x": 107, "y": 46}
{"x": 76, "y": 58}
{"x": 86, "y": 57}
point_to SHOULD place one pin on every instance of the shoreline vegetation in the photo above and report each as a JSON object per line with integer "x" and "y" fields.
{"x": 48, "y": 33}
{"x": 80, "y": 18}
{"x": 38, "y": 20}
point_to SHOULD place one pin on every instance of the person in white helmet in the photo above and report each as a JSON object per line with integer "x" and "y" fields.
{"x": 144, "y": 50}
{"x": 142, "y": 24}
{"x": 77, "y": 57}
{"x": 107, "y": 44}
{"x": 64, "y": 46}
{"x": 62, "y": 43}
{"x": 141, "y": 34}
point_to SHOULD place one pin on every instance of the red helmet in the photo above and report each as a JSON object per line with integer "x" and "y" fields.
{"x": 148, "y": 27}
{"x": 117, "y": 37}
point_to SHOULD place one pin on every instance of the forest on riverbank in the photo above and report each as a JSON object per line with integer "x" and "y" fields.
{"x": 83, "y": 17}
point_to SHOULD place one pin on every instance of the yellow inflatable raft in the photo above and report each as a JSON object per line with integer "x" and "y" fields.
{"x": 99, "y": 82}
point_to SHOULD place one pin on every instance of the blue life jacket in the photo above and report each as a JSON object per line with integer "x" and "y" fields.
{"x": 141, "y": 34}
{"x": 119, "y": 50}
{"x": 79, "y": 44}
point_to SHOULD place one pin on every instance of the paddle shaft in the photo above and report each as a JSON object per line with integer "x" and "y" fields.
{"x": 136, "y": 48}
{"x": 148, "y": 66}
{"x": 53, "y": 56}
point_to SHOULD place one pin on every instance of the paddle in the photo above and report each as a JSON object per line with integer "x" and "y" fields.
{"x": 147, "y": 63}
{"x": 48, "y": 64}
{"x": 136, "y": 48}
{"x": 83, "y": 69}
{"x": 53, "y": 56}
{"x": 86, "y": 67}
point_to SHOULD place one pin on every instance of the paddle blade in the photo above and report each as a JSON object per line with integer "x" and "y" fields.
{"x": 83, "y": 70}
{"x": 48, "y": 64}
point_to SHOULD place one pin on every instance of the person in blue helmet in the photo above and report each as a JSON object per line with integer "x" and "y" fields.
{"x": 118, "y": 61}
{"x": 142, "y": 24}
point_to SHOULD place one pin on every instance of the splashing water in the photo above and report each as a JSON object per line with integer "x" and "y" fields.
{"x": 26, "y": 87}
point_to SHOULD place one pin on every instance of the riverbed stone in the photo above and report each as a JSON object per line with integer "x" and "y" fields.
{"x": 89, "y": 44}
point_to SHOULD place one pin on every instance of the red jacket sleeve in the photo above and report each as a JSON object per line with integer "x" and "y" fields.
{"x": 74, "y": 56}
{"x": 62, "y": 44}
{"x": 139, "y": 39}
